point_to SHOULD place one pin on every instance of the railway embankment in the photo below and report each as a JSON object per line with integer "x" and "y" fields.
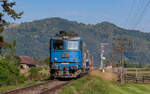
{"x": 97, "y": 82}
{"x": 94, "y": 82}
{"x": 48, "y": 87}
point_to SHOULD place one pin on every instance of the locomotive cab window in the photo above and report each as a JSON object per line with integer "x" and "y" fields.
{"x": 73, "y": 45}
{"x": 58, "y": 44}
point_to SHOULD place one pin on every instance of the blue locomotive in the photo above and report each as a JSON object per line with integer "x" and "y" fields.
{"x": 69, "y": 57}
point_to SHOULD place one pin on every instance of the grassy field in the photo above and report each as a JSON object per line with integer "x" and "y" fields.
{"x": 130, "y": 88}
{"x": 86, "y": 85}
{"x": 93, "y": 84}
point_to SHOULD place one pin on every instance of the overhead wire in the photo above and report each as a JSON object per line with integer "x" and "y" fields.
{"x": 130, "y": 13}
{"x": 133, "y": 12}
{"x": 141, "y": 15}
{"x": 139, "y": 5}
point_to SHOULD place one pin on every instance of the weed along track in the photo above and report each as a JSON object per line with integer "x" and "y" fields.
{"x": 48, "y": 87}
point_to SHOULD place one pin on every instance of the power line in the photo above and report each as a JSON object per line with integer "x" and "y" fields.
{"x": 139, "y": 5}
{"x": 142, "y": 14}
{"x": 134, "y": 11}
{"x": 130, "y": 12}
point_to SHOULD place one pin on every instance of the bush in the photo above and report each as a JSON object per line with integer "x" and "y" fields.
{"x": 46, "y": 67}
{"x": 39, "y": 73}
{"x": 9, "y": 73}
{"x": 34, "y": 73}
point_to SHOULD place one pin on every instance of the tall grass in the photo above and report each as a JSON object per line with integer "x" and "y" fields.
{"x": 95, "y": 85}
{"x": 86, "y": 85}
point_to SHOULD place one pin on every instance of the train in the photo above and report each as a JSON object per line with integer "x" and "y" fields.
{"x": 69, "y": 57}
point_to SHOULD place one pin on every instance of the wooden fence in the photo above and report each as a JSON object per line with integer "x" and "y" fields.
{"x": 137, "y": 75}
{"x": 137, "y": 79}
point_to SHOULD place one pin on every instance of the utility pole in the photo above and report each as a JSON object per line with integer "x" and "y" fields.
{"x": 102, "y": 46}
{"x": 121, "y": 44}
{"x": 113, "y": 59}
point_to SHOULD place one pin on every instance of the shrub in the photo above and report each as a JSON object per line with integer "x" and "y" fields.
{"x": 34, "y": 73}
{"x": 9, "y": 73}
{"x": 39, "y": 73}
{"x": 46, "y": 67}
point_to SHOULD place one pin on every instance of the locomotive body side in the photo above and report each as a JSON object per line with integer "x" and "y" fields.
{"x": 66, "y": 57}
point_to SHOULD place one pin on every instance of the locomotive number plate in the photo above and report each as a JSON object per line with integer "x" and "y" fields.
{"x": 64, "y": 63}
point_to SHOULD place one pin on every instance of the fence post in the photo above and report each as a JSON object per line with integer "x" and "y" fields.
{"x": 125, "y": 74}
{"x": 143, "y": 78}
{"x": 136, "y": 73}
{"x": 122, "y": 75}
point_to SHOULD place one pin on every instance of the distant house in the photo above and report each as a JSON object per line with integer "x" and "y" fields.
{"x": 27, "y": 62}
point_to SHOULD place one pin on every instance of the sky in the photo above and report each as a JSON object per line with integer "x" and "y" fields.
{"x": 129, "y": 14}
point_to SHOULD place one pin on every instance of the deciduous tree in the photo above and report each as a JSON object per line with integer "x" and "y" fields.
{"x": 7, "y": 10}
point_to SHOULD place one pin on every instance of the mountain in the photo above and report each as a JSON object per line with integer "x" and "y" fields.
{"x": 33, "y": 38}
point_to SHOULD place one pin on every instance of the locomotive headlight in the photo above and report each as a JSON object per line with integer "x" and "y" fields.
{"x": 74, "y": 59}
{"x": 55, "y": 58}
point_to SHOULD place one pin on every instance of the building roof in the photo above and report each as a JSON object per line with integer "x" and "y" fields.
{"x": 29, "y": 61}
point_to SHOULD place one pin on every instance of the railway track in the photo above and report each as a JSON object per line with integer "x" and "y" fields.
{"x": 49, "y": 87}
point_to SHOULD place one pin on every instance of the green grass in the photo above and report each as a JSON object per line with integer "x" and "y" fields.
{"x": 130, "y": 88}
{"x": 11, "y": 87}
{"x": 94, "y": 85}
{"x": 86, "y": 85}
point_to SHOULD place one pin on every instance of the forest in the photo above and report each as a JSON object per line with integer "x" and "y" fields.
{"x": 33, "y": 38}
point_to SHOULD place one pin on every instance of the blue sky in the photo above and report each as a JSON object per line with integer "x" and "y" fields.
{"x": 124, "y": 13}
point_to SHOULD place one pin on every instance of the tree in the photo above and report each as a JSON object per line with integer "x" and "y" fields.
{"x": 7, "y": 10}
{"x": 11, "y": 53}
{"x": 9, "y": 73}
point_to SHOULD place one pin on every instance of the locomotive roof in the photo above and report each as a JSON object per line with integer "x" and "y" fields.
{"x": 66, "y": 38}
{"x": 66, "y": 35}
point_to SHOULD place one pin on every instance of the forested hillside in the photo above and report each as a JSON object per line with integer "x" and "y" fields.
{"x": 33, "y": 38}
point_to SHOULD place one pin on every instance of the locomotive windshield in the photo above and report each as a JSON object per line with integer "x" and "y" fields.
{"x": 73, "y": 45}
{"x": 58, "y": 44}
